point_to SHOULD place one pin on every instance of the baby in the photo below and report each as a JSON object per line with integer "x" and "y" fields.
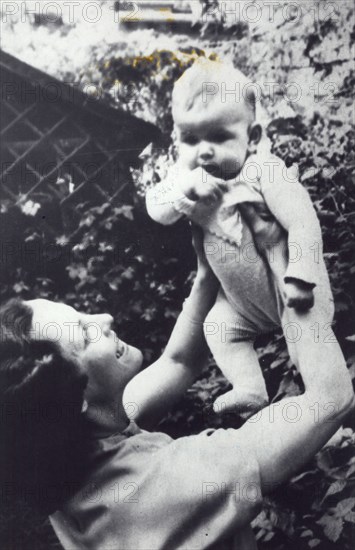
{"x": 225, "y": 183}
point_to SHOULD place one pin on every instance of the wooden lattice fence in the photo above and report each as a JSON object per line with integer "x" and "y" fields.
{"x": 58, "y": 142}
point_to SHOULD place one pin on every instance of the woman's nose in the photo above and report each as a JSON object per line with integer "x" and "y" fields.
{"x": 105, "y": 321}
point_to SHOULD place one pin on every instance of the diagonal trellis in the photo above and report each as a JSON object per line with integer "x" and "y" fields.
{"x": 56, "y": 142}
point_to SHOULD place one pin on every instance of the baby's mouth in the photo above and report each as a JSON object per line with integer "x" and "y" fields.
{"x": 222, "y": 172}
{"x": 212, "y": 169}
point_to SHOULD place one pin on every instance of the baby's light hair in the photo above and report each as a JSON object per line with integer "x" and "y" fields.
{"x": 207, "y": 81}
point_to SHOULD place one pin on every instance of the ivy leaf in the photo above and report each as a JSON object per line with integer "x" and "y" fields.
{"x": 128, "y": 273}
{"x": 335, "y": 488}
{"x": 313, "y": 543}
{"x": 332, "y": 526}
{"x": 77, "y": 272}
{"x": 19, "y": 287}
{"x": 113, "y": 285}
{"x": 126, "y": 211}
{"x": 344, "y": 506}
{"x": 350, "y": 517}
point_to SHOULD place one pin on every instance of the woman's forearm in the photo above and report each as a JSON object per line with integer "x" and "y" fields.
{"x": 297, "y": 427}
{"x": 187, "y": 343}
{"x": 153, "y": 392}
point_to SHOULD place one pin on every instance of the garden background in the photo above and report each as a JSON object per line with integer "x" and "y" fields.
{"x": 301, "y": 55}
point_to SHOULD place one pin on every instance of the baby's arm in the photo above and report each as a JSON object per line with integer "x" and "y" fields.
{"x": 180, "y": 192}
{"x": 292, "y": 207}
{"x": 166, "y": 203}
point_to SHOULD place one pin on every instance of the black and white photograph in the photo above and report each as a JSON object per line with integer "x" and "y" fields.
{"x": 177, "y": 267}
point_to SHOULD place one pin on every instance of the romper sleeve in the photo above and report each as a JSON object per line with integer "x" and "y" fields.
{"x": 292, "y": 207}
{"x": 166, "y": 203}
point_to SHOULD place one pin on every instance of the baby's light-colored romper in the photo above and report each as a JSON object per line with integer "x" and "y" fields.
{"x": 250, "y": 300}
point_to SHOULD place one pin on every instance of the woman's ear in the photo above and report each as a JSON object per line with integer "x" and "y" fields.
{"x": 254, "y": 133}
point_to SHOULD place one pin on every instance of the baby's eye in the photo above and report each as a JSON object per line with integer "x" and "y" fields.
{"x": 219, "y": 136}
{"x": 189, "y": 139}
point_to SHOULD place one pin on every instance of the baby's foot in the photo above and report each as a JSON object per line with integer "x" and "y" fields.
{"x": 240, "y": 401}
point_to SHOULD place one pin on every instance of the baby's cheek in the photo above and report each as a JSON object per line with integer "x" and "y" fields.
{"x": 186, "y": 155}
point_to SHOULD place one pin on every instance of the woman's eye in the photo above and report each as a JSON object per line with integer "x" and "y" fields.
{"x": 89, "y": 334}
{"x": 86, "y": 336}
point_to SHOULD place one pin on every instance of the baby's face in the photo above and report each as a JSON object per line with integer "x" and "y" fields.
{"x": 214, "y": 137}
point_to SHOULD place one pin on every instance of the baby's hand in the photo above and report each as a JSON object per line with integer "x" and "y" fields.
{"x": 199, "y": 185}
{"x": 299, "y": 295}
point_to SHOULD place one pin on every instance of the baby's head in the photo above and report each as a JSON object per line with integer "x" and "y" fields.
{"x": 214, "y": 115}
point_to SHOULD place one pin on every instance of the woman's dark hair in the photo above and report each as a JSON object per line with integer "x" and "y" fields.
{"x": 43, "y": 435}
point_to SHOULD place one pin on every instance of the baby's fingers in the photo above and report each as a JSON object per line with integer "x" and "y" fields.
{"x": 301, "y": 303}
{"x": 299, "y": 299}
{"x": 212, "y": 198}
{"x": 210, "y": 194}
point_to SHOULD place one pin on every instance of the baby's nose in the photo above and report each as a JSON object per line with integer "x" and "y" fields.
{"x": 206, "y": 151}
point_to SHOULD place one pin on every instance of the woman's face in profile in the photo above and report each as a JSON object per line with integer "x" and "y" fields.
{"x": 90, "y": 341}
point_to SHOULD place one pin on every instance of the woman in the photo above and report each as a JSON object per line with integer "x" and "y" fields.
{"x": 67, "y": 385}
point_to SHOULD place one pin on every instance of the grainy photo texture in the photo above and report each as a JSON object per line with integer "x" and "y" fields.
{"x": 177, "y": 259}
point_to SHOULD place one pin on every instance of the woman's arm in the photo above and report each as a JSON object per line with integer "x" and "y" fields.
{"x": 156, "y": 389}
{"x": 285, "y": 435}
{"x": 288, "y": 433}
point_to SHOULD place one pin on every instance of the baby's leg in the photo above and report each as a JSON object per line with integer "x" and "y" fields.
{"x": 249, "y": 393}
{"x": 231, "y": 344}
